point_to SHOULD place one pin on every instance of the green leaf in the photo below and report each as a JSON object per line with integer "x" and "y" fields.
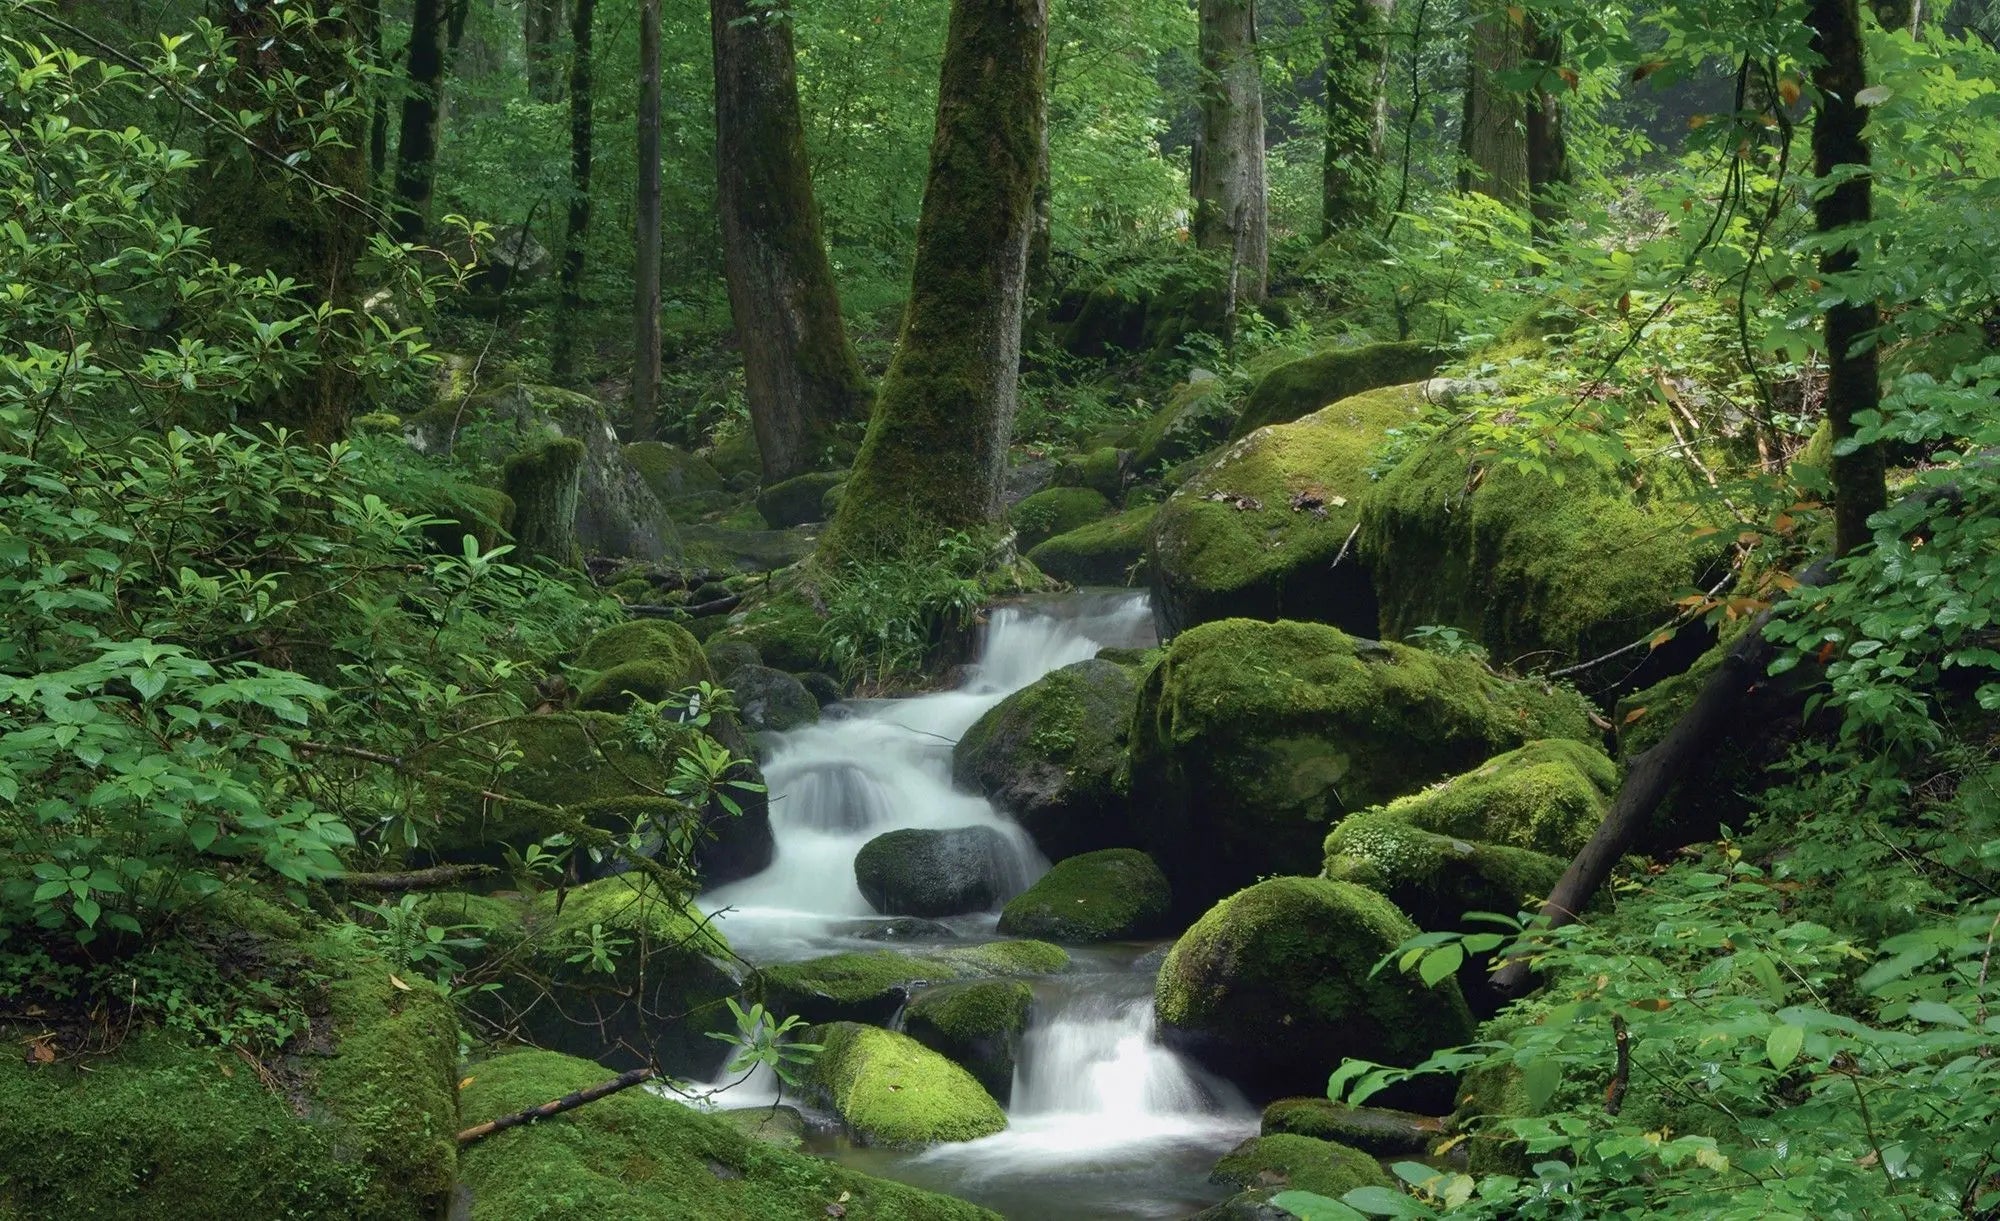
{"x": 1939, "y": 1014}
{"x": 1539, "y": 1081}
{"x": 1384, "y": 1202}
{"x": 87, "y": 911}
{"x": 1310, "y": 1207}
{"x": 1783, "y": 1044}
{"x": 1440, "y": 964}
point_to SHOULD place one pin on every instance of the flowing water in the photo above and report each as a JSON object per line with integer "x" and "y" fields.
{"x": 1105, "y": 1122}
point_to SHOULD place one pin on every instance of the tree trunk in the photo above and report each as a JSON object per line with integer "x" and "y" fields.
{"x": 1547, "y": 150}
{"x": 540, "y": 21}
{"x": 368, "y": 17}
{"x": 936, "y": 450}
{"x": 416, "y": 149}
{"x": 1356, "y": 46}
{"x": 1230, "y": 210}
{"x": 1492, "y": 142}
{"x": 569, "y": 301}
{"x": 1853, "y": 385}
{"x": 800, "y": 376}
{"x": 646, "y": 298}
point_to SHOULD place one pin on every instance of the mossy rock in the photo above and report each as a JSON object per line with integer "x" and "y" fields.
{"x": 798, "y": 500}
{"x": 1118, "y": 894}
{"x": 636, "y": 1156}
{"x": 1304, "y": 386}
{"x": 678, "y": 478}
{"x": 735, "y": 456}
{"x": 1435, "y": 878}
{"x": 1054, "y": 511}
{"x": 1053, "y": 754}
{"x": 1548, "y": 796}
{"x": 465, "y": 508}
{"x": 1255, "y": 534}
{"x": 1105, "y": 470}
{"x": 891, "y": 1090}
{"x": 1107, "y": 552}
{"x": 1250, "y": 740}
{"x": 1374, "y": 1130}
{"x": 771, "y": 700}
{"x": 740, "y": 544}
{"x": 977, "y": 1025}
{"x": 647, "y": 640}
{"x": 785, "y": 629}
{"x": 1299, "y": 1163}
{"x": 543, "y": 483}
{"x": 930, "y": 871}
{"x": 726, "y": 656}
{"x": 870, "y": 986}
{"x": 782, "y": 1126}
{"x": 635, "y": 590}
{"x": 1195, "y": 420}
{"x": 1276, "y": 984}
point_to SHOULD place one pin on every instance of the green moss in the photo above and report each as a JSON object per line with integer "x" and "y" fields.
{"x": 1376, "y": 1130}
{"x": 1305, "y": 386}
{"x": 735, "y": 455}
{"x": 1196, "y": 419}
{"x": 1435, "y": 879}
{"x": 580, "y": 762}
{"x": 376, "y": 421}
{"x": 1548, "y": 796}
{"x": 1301, "y": 1163}
{"x": 624, "y": 905}
{"x": 1116, "y": 894}
{"x": 636, "y": 1156}
{"x": 797, "y": 500}
{"x": 1054, "y": 511}
{"x": 674, "y": 475}
{"x": 634, "y": 590}
{"x": 544, "y": 484}
{"x": 872, "y": 985}
{"x": 464, "y": 508}
{"x": 892, "y": 1090}
{"x": 1103, "y": 470}
{"x": 1107, "y": 552}
{"x": 977, "y": 1025}
{"x": 784, "y": 629}
{"x": 1257, "y": 531}
{"x": 651, "y": 640}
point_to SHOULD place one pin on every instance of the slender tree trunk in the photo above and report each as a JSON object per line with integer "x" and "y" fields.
{"x": 1230, "y": 208}
{"x": 569, "y": 303}
{"x": 540, "y": 21}
{"x": 1547, "y": 150}
{"x": 1356, "y": 46}
{"x": 646, "y": 298}
{"x": 416, "y": 150}
{"x": 936, "y": 450}
{"x": 799, "y": 372}
{"x": 1860, "y": 486}
{"x": 1041, "y": 242}
{"x": 1492, "y": 141}
{"x": 368, "y": 19}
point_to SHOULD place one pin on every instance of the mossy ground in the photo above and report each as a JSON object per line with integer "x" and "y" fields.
{"x": 1115, "y": 894}
{"x": 892, "y": 1090}
{"x": 1106, "y": 552}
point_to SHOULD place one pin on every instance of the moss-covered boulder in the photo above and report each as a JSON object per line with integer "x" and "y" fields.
{"x": 542, "y": 484}
{"x": 1298, "y": 1163}
{"x": 1106, "y": 470}
{"x": 1303, "y": 386}
{"x": 649, "y": 658}
{"x": 1053, "y": 754}
{"x": 891, "y": 1090}
{"x": 1250, "y": 740}
{"x": 786, "y": 630}
{"x": 926, "y": 871}
{"x": 1548, "y": 796}
{"x": 637, "y": 1156}
{"x": 1054, "y": 511}
{"x": 1435, "y": 878}
{"x": 487, "y": 514}
{"x": 1113, "y": 895}
{"x": 1376, "y": 1130}
{"x": 977, "y": 1025}
{"x": 676, "y": 477}
{"x": 1275, "y": 985}
{"x": 1255, "y": 534}
{"x": 1107, "y": 552}
{"x": 771, "y": 700}
{"x": 871, "y": 986}
{"x": 1195, "y": 420}
{"x": 727, "y": 655}
{"x": 798, "y": 500}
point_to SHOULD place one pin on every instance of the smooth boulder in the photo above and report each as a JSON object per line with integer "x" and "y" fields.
{"x": 921, "y": 871}
{"x": 870, "y": 986}
{"x": 1301, "y": 387}
{"x": 1111, "y": 551}
{"x": 1114, "y": 895}
{"x": 771, "y": 700}
{"x": 977, "y": 1025}
{"x": 891, "y": 1090}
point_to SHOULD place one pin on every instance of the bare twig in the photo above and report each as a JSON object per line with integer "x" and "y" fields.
{"x": 568, "y": 1102}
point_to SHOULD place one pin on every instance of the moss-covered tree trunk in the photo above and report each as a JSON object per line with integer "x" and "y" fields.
{"x": 417, "y": 142}
{"x": 1356, "y": 46}
{"x": 936, "y": 449}
{"x": 1492, "y": 139}
{"x": 1853, "y": 385}
{"x": 646, "y": 269}
{"x": 540, "y": 21}
{"x": 800, "y": 376}
{"x": 1231, "y": 213}
{"x": 544, "y": 484}
{"x": 582, "y": 140}
{"x": 1547, "y": 149}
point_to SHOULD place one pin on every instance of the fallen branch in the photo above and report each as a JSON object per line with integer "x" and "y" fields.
{"x": 434, "y": 878}
{"x": 717, "y": 607}
{"x": 568, "y": 1102}
{"x": 1621, "y": 1078}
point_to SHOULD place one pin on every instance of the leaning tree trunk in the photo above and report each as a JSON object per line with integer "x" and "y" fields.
{"x": 1492, "y": 141}
{"x": 646, "y": 277}
{"x": 936, "y": 450}
{"x": 416, "y": 150}
{"x": 1230, "y": 209}
{"x": 800, "y": 376}
{"x": 1356, "y": 46}
{"x": 582, "y": 134}
{"x": 1547, "y": 150}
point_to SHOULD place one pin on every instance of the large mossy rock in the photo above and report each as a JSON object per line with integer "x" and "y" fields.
{"x": 1055, "y": 511}
{"x": 1375, "y": 1130}
{"x": 1105, "y": 470}
{"x": 650, "y": 658}
{"x": 925, "y": 871}
{"x": 977, "y": 1025}
{"x": 798, "y": 500}
{"x": 871, "y": 986}
{"x": 1053, "y": 755}
{"x": 1277, "y": 984}
{"x": 737, "y": 548}
{"x": 543, "y": 483}
{"x": 637, "y": 1156}
{"x": 785, "y": 629}
{"x": 1196, "y": 419}
{"x": 1118, "y": 894}
{"x": 1303, "y": 386}
{"x": 1534, "y": 568}
{"x": 1298, "y": 1163}
{"x": 1251, "y": 740}
{"x": 771, "y": 700}
{"x": 1106, "y": 552}
{"x": 1435, "y": 879}
{"x": 1548, "y": 796}
{"x": 676, "y": 477}
{"x": 892, "y": 1090}
{"x": 1255, "y": 534}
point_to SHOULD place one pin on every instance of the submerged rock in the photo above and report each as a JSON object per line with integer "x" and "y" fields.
{"x": 977, "y": 1025}
{"x": 892, "y": 1090}
{"x": 1115, "y": 895}
{"x": 920, "y": 871}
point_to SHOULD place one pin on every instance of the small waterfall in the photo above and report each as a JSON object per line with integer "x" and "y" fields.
{"x": 1097, "y": 1060}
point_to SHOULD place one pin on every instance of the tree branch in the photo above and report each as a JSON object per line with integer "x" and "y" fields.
{"x": 568, "y": 1102}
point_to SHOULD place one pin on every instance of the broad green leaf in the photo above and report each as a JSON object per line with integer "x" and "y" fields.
{"x": 1539, "y": 1081}
{"x": 1310, "y": 1207}
{"x": 1782, "y": 1045}
{"x": 1440, "y": 964}
{"x": 1939, "y": 1014}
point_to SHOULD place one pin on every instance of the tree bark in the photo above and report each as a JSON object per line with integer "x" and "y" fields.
{"x": 800, "y": 376}
{"x": 540, "y": 21}
{"x": 582, "y": 136}
{"x": 368, "y": 19}
{"x": 1492, "y": 141}
{"x": 1356, "y": 46}
{"x": 1547, "y": 150}
{"x": 1860, "y": 482}
{"x": 416, "y": 149}
{"x": 936, "y": 450}
{"x": 646, "y": 298}
{"x": 1230, "y": 208}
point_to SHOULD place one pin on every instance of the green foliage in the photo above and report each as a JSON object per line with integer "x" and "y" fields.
{"x": 885, "y": 617}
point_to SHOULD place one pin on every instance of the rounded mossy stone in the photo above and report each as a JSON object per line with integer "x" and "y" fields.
{"x": 1375, "y": 1130}
{"x": 1195, "y": 420}
{"x": 1054, "y": 511}
{"x": 1255, "y": 534}
{"x": 979, "y": 1025}
{"x": 735, "y": 456}
{"x": 1105, "y": 469}
{"x": 1053, "y": 756}
{"x": 1250, "y": 740}
{"x": 798, "y": 500}
{"x": 1436, "y": 879}
{"x": 1107, "y": 552}
{"x": 673, "y": 474}
{"x": 786, "y": 630}
{"x": 1548, "y": 796}
{"x": 892, "y": 1090}
{"x": 634, "y": 590}
{"x": 929, "y": 871}
{"x": 1299, "y": 1163}
{"x": 1114, "y": 895}
{"x": 725, "y": 656}
{"x": 637, "y": 1156}
{"x": 498, "y": 922}
{"x": 1301, "y": 387}
{"x": 649, "y": 640}
{"x": 1276, "y": 985}
{"x": 870, "y": 986}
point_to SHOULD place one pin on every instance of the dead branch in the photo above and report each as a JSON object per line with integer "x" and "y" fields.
{"x": 568, "y": 1102}
{"x": 437, "y": 877}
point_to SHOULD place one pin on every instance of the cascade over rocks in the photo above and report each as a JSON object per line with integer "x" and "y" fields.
{"x": 977, "y": 1025}
{"x": 920, "y": 871}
